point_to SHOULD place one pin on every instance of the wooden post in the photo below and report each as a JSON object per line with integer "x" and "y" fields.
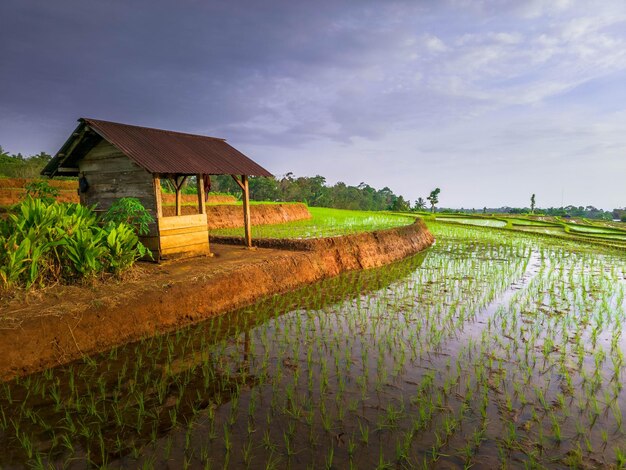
{"x": 243, "y": 184}
{"x": 246, "y": 210}
{"x": 201, "y": 200}
{"x": 158, "y": 204}
{"x": 178, "y": 205}
{"x": 178, "y": 184}
{"x": 157, "y": 197}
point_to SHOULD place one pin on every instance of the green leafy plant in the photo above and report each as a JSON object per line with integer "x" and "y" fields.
{"x": 41, "y": 190}
{"x": 129, "y": 210}
{"x": 43, "y": 242}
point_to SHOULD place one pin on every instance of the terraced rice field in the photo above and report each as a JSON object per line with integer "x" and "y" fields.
{"x": 325, "y": 222}
{"x": 599, "y": 232}
{"x": 494, "y": 348}
{"x": 474, "y": 221}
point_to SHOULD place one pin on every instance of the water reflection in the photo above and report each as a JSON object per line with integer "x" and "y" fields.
{"x": 107, "y": 408}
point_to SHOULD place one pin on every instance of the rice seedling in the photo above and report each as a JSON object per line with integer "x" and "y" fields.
{"x": 493, "y": 345}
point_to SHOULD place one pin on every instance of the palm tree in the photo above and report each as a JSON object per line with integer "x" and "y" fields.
{"x": 420, "y": 204}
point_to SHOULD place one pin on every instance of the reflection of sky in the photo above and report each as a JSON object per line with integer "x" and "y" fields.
{"x": 489, "y": 100}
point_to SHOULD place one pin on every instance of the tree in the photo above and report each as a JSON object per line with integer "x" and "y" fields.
{"x": 532, "y": 204}
{"x": 434, "y": 198}
{"x": 420, "y": 204}
{"x": 399, "y": 205}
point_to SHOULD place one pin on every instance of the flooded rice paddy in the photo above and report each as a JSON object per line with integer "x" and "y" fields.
{"x": 493, "y": 349}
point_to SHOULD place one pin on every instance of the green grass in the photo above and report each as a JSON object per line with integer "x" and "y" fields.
{"x": 474, "y": 221}
{"x": 325, "y": 223}
{"x": 583, "y": 231}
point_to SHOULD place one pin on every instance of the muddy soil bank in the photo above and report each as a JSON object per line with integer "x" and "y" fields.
{"x": 231, "y": 216}
{"x": 170, "y": 199}
{"x": 12, "y": 189}
{"x": 10, "y": 196}
{"x": 66, "y": 322}
{"x": 20, "y": 183}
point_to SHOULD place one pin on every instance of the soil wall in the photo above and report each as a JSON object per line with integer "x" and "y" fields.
{"x": 68, "y": 322}
{"x": 20, "y": 183}
{"x": 231, "y": 216}
{"x": 170, "y": 199}
{"x": 12, "y": 191}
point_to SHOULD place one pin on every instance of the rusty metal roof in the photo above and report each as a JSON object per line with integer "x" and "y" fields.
{"x": 161, "y": 151}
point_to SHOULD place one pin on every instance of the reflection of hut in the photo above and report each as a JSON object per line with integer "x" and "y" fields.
{"x": 115, "y": 160}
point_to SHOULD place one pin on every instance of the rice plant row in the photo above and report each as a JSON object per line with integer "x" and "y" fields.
{"x": 492, "y": 349}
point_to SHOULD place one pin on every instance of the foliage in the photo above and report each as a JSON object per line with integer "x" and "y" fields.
{"x": 532, "y": 204}
{"x": 41, "y": 190}
{"x": 42, "y": 243}
{"x": 623, "y": 218}
{"x": 18, "y": 166}
{"x": 189, "y": 187}
{"x": 420, "y": 204}
{"x": 314, "y": 191}
{"x": 588, "y": 212}
{"x": 129, "y": 210}
{"x": 433, "y": 198}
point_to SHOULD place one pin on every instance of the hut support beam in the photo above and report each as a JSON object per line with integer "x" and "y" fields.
{"x": 201, "y": 198}
{"x": 178, "y": 185}
{"x": 243, "y": 184}
{"x": 157, "y": 197}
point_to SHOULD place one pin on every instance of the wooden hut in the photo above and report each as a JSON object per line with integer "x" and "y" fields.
{"x": 114, "y": 160}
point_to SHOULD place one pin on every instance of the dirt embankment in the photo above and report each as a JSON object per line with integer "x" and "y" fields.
{"x": 12, "y": 190}
{"x": 20, "y": 183}
{"x": 66, "y": 322}
{"x": 170, "y": 199}
{"x": 231, "y": 216}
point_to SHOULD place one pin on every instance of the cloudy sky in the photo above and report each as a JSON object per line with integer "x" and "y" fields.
{"x": 488, "y": 100}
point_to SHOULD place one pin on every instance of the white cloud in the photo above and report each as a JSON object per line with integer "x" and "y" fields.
{"x": 434, "y": 44}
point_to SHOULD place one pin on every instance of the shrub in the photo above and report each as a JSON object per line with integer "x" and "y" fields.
{"x": 129, "y": 210}
{"x": 43, "y": 242}
{"x": 41, "y": 190}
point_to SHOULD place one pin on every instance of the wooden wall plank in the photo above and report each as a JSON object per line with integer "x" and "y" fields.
{"x": 189, "y": 250}
{"x": 111, "y": 176}
{"x": 180, "y": 241}
{"x": 183, "y": 230}
{"x": 150, "y": 242}
{"x": 192, "y": 220}
{"x": 112, "y": 165}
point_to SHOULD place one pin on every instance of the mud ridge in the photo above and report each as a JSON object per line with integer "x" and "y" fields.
{"x": 231, "y": 216}
{"x": 66, "y": 323}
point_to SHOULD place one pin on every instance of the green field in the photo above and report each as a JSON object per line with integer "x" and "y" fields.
{"x": 584, "y": 231}
{"x": 494, "y": 348}
{"x": 325, "y": 223}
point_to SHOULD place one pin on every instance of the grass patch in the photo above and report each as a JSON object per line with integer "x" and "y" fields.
{"x": 325, "y": 222}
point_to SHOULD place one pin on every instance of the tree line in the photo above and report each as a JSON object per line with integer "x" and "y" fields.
{"x": 19, "y": 166}
{"x": 311, "y": 190}
{"x": 314, "y": 191}
{"x": 588, "y": 212}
